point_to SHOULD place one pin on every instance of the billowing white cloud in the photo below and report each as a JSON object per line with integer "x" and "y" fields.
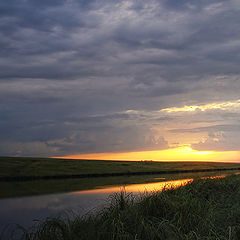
{"x": 220, "y": 106}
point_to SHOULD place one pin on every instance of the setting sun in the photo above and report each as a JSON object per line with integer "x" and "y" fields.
{"x": 184, "y": 153}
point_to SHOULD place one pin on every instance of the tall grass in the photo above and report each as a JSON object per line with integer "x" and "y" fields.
{"x": 207, "y": 209}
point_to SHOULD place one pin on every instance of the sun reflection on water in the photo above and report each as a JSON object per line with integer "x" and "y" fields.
{"x": 147, "y": 187}
{"x": 137, "y": 188}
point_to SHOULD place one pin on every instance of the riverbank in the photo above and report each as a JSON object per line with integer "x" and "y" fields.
{"x": 10, "y": 189}
{"x": 204, "y": 209}
{"x": 25, "y": 169}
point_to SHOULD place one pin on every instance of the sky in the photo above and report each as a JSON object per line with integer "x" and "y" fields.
{"x": 80, "y": 77}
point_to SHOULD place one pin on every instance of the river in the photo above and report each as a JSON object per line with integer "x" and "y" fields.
{"x": 28, "y": 210}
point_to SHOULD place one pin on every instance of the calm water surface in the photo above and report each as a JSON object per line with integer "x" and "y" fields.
{"x": 28, "y": 210}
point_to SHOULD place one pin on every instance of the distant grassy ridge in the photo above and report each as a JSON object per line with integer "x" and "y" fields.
{"x": 206, "y": 209}
{"x": 20, "y": 168}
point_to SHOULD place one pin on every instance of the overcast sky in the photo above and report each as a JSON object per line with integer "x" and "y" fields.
{"x": 117, "y": 76}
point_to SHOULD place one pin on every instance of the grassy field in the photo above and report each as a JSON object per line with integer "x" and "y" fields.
{"x": 15, "y": 167}
{"x": 207, "y": 209}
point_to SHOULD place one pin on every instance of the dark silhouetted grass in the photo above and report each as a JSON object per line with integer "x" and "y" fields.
{"x": 207, "y": 209}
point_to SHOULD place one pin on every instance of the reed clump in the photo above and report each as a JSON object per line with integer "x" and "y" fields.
{"x": 206, "y": 209}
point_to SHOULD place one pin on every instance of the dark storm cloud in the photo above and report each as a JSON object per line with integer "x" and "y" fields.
{"x": 70, "y": 70}
{"x": 219, "y": 141}
{"x": 210, "y": 128}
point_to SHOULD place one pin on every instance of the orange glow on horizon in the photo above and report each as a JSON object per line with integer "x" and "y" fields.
{"x": 184, "y": 153}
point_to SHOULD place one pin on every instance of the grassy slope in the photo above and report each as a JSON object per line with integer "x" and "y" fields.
{"x": 204, "y": 210}
{"x": 46, "y": 166}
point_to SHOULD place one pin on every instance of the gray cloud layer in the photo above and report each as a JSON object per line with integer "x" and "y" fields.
{"x": 69, "y": 71}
